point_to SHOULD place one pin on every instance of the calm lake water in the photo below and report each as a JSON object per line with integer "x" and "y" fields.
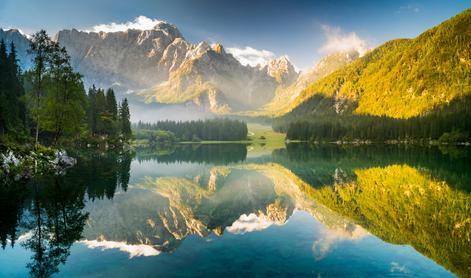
{"x": 236, "y": 210}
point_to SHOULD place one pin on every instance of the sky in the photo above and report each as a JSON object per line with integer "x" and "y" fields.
{"x": 254, "y": 31}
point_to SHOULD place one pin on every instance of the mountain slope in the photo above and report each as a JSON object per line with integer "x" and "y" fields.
{"x": 164, "y": 68}
{"x": 132, "y": 58}
{"x": 400, "y": 79}
{"x": 286, "y": 95}
{"x": 212, "y": 75}
{"x": 21, "y": 42}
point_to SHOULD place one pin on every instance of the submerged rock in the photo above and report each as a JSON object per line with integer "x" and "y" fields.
{"x": 25, "y": 163}
{"x": 9, "y": 159}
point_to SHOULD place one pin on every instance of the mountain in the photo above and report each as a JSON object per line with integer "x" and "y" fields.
{"x": 163, "y": 67}
{"x": 400, "y": 79}
{"x": 282, "y": 70}
{"x": 21, "y": 42}
{"x": 285, "y": 95}
{"x": 210, "y": 76}
{"x": 133, "y": 59}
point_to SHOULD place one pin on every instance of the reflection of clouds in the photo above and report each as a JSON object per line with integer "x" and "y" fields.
{"x": 328, "y": 237}
{"x": 25, "y": 236}
{"x": 133, "y": 250}
{"x": 396, "y": 267}
{"x": 249, "y": 223}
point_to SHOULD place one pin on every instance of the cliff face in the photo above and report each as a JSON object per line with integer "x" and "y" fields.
{"x": 282, "y": 70}
{"x": 133, "y": 59}
{"x": 211, "y": 73}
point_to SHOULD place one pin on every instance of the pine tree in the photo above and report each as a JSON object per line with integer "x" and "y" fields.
{"x": 111, "y": 115}
{"x": 124, "y": 120}
{"x": 92, "y": 113}
{"x": 16, "y": 89}
{"x": 111, "y": 104}
{"x": 100, "y": 104}
{"x": 11, "y": 91}
{"x": 3, "y": 88}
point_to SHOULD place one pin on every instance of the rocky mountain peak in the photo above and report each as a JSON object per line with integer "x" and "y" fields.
{"x": 169, "y": 29}
{"x": 282, "y": 70}
{"x": 218, "y": 48}
{"x": 198, "y": 50}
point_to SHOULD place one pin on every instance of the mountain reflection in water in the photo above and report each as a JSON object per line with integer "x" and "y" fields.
{"x": 329, "y": 210}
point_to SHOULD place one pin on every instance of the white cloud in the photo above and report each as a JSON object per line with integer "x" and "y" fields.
{"x": 139, "y": 23}
{"x": 133, "y": 250}
{"x": 329, "y": 236}
{"x": 24, "y": 237}
{"x": 249, "y": 223}
{"x": 251, "y": 56}
{"x": 337, "y": 40}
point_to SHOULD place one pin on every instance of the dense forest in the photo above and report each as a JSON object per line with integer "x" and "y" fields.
{"x": 49, "y": 105}
{"x": 105, "y": 117}
{"x": 212, "y": 129}
{"x": 12, "y": 106}
{"x": 448, "y": 124}
{"x": 406, "y": 89}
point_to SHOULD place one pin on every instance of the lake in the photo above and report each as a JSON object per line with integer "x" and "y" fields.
{"x": 237, "y": 210}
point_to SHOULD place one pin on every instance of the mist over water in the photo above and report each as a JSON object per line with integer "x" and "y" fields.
{"x": 153, "y": 112}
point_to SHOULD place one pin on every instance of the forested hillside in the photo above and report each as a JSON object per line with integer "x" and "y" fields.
{"x": 400, "y": 79}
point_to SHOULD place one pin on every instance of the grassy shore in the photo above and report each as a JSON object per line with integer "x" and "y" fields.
{"x": 261, "y": 138}
{"x": 257, "y": 134}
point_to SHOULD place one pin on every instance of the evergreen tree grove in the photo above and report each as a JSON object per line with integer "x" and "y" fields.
{"x": 59, "y": 110}
{"x": 12, "y": 110}
{"x": 103, "y": 116}
{"x": 213, "y": 129}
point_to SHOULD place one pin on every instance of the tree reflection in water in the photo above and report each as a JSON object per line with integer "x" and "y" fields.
{"x": 419, "y": 197}
{"x": 48, "y": 212}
